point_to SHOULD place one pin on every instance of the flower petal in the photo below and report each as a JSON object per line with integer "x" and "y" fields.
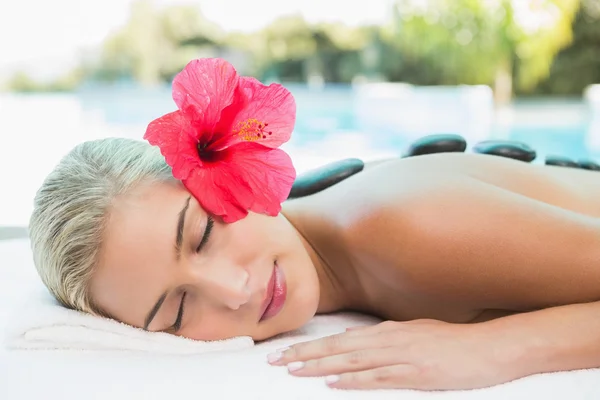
{"x": 227, "y": 118}
{"x": 269, "y": 172}
{"x": 175, "y": 137}
{"x": 211, "y": 186}
{"x": 203, "y": 89}
{"x": 268, "y": 114}
{"x": 246, "y": 177}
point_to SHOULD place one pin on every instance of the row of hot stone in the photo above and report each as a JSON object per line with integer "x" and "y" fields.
{"x": 325, "y": 176}
{"x": 505, "y": 148}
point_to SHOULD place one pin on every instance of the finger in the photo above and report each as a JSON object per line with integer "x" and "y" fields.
{"x": 327, "y": 346}
{"x": 359, "y": 360}
{"x": 400, "y": 376}
{"x": 331, "y": 345}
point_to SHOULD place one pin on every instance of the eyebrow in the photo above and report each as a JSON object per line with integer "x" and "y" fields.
{"x": 180, "y": 225}
{"x": 178, "y": 243}
{"x": 154, "y": 310}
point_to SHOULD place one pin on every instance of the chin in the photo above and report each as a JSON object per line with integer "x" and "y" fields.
{"x": 272, "y": 333}
{"x": 288, "y": 321}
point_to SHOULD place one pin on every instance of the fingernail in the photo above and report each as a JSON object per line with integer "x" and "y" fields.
{"x": 331, "y": 379}
{"x": 295, "y": 366}
{"x": 274, "y": 357}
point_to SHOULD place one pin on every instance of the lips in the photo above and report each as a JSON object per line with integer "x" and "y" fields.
{"x": 275, "y": 296}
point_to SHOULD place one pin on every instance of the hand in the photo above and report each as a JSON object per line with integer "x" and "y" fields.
{"x": 421, "y": 354}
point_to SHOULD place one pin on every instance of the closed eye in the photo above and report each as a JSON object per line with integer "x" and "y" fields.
{"x": 207, "y": 231}
{"x": 177, "y": 325}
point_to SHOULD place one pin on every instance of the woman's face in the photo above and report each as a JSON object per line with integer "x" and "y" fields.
{"x": 159, "y": 249}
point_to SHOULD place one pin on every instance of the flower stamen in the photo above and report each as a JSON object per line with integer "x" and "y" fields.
{"x": 251, "y": 130}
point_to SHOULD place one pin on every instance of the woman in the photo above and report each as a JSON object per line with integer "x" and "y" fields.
{"x": 485, "y": 268}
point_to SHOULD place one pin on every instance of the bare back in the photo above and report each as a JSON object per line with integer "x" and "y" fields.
{"x": 458, "y": 237}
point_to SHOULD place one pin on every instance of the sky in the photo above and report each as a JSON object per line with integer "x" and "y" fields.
{"x": 45, "y": 36}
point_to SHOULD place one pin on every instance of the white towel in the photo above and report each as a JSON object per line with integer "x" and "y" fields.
{"x": 42, "y": 323}
{"x": 242, "y": 374}
{"x": 52, "y": 327}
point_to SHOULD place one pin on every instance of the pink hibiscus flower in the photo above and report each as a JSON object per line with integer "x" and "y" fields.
{"x": 222, "y": 142}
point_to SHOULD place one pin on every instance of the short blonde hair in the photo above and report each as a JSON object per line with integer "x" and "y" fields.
{"x": 72, "y": 206}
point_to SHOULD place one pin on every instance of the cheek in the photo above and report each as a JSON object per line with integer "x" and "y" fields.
{"x": 305, "y": 291}
{"x": 257, "y": 235}
{"x": 278, "y": 236}
{"x": 213, "y": 324}
{"x": 216, "y": 332}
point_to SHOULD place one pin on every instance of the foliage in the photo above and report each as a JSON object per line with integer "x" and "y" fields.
{"x": 155, "y": 44}
{"x": 426, "y": 42}
{"x": 537, "y": 49}
{"x": 471, "y": 41}
{"x": 457, "y": 40}
{"x": 579, "y": 64}
{"x": 23, "y": 83}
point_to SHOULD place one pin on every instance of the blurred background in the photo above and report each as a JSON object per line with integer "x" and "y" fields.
{"x": 368, "y": 77}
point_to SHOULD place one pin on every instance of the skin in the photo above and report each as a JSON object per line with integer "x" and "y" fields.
{"x": 457, "y": 252}
{"x": 225, "y": 283}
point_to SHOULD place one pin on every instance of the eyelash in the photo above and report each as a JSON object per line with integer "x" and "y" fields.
{"x": 209, "y": 225}
{"x": 177, "y": 325}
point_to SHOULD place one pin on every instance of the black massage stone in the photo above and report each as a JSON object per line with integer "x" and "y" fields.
{"x": 328, "y": 175}
{"x": 587, "y": 164}
{"x": 504, "y": 148}
{"x": 560, "y": 161}
{"x": 318, "y": 179}
{"x": 444, "y": 143}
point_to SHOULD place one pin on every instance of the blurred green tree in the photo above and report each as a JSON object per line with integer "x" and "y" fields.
{"x": 291, "y": 49}
{"x": 284, "y": 49}
{"x": 539, "y": 45}
{"x": 511, "y": 45}
{"x": 578, "y": 65}
{"x": 479, "y": 41}
{"x": 21, "y": 82}
{"x": 155, "y": 44}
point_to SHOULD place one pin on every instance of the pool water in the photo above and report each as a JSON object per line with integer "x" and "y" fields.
{"x": 387, "y": 120}
{"x": 333, "y": 122}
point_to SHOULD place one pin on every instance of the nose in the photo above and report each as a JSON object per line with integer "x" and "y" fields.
{"x": 225, "y": 284}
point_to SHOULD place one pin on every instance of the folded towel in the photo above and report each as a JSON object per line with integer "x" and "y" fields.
{"x": 42, "y": 323}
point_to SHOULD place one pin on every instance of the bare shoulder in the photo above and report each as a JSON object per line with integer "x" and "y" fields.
{"x": 484, "y": 231}
{"x": 388, "y": 196}
{"x": 416, "y": 177}
{"x": 394, "y": 188}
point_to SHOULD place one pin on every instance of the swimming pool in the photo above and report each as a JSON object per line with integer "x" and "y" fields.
{"x": 333, "y": 122}
{"x": 385, "y": 118}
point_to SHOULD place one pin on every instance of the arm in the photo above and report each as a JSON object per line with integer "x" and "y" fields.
{"x": 555, "y": 339}
{"x": 434, "y": 355}
{"x": 496, "y": 249}
{"x": 511, "y": 242}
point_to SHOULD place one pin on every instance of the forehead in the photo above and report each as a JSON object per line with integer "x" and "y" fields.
{"x": 144, "y": 214}
{"x": 137, "y": 250}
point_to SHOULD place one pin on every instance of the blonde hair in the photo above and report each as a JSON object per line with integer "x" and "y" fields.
{"x": 72, "y": 207}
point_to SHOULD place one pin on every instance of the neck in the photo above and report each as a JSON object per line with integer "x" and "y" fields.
{"x": 338, "y": 284}
{"x": 332, "y": 296}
